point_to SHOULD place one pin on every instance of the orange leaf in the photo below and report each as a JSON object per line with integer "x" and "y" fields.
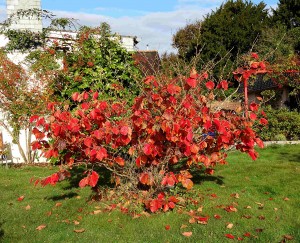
{"x": 187, "y": 233}
{"x": 41, "y": 227}
{"x": 79, "y": 230}
{"x": 28, "y": 207}
{"x": 58, "y": 204}
{"x": 120, "y": 161}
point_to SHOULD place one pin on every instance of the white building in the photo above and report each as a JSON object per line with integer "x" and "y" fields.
{"x": 34, "y": 24}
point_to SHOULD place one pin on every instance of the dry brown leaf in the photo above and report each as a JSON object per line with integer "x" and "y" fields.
{"x": 79, "y": 230}
{"x": 42, "y": 226}
{"x": 229, "y": 226}
{"x": 261, "y": 217}
{"x": 192, "y": 220}
{"x": 247, "y": 216}
{"x": 275, "y": 209}
{"x": 58, "y": 204}
{"x": 23, "y": 226}
{"x": 76, "y": 222}
{"x": 97, "y": 212}
{"x": 49, "y": 213}
{"x": 183, "y": 226}
{"x": 288, "y": 237}
{"x": 248, "y": 207}
{"x": 200, "y": 209}
{"x": 28, "y": 207}
{"x": 187, "y": 233}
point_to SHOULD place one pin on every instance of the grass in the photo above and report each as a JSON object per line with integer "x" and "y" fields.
{"x": 265, "y": 193}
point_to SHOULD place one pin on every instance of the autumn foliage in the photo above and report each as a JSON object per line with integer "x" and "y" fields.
{"x": 171, "y": 133}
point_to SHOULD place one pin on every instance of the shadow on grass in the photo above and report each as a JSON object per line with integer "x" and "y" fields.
{"x": 1, "y": 231}
{"x": 62, "y": 197}
{"x": 77, "y": 173}
{"x": 200, "y": 178}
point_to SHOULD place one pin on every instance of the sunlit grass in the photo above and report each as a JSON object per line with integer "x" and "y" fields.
{"x": 265, "y": 194}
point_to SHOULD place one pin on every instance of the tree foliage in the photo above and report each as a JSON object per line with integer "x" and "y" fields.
{"x": 172, "y": 132}
{"x": 287, "y": 13}
{"x": 226, "y": 32}
{"x": 21, "y": 96}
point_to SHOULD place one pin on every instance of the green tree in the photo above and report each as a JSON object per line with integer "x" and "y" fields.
{"x": 287, "y": 13}
{"x": 228, "y": 31}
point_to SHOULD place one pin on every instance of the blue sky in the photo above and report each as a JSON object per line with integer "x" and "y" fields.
{"x": 153, "y": 21}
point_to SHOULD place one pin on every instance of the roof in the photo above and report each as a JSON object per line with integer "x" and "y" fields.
{"x": 147, "y": 61}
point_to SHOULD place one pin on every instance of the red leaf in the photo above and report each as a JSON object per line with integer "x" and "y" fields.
{"x": 101, "y": 154}
{"x": 217, "y": 216}
{"x": 88, "y": 142}
{"x": 253, "y": 116}
{"x": 21, "y": 198}
{"x": 210, "y": 85}
{"x": 224, "y": 84}
{"x": 263, "y": 121}
{"x": 124, "y": 130}
{"x": 167, "y": 227}
{"x": 192, "y": 82}
{"x": 229, "y": 236}
{"x": 247, "y": 234}
{"x": 75, "y": 96}
{"x": 148, "y": 149}
{"x": 33, "y": 118}
{"x": 84, "y": 182}
{"x": 254, "y": 107}
{"x": 120, "y": 161}
{"x": 93, "y": 179}
{"x": 254, "y": 55}
{"x": 173, "y": 89}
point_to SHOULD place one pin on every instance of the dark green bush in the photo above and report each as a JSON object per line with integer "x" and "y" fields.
{"x": 283, "y": 122}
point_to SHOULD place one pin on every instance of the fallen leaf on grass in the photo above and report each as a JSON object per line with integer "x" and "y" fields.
{"x": 229, "y": 236}
{"x": 27, "y": 207}
{"x": 240, "y": 238}
{"x": 187, "y": 233}
{"x": 286, "y": 199}
{"x": 49, "y": 213}
{"x": 288, "y": 237}
{"x": 167, "y": 227}
{"x": 200, "y": 209}
{"x": 42, "y": 226}
{"x": 231, "y": 209}
{"x": 248, "y": 207}
{"x": 96, "y": 212}
{"x": 76, "y": 222}
{"x": 235, "y": 195}
{"x": 247, "y": 234}
{"x": 229, "y": 225}
{"x": 217, "y": 216}
{"x": 183, "y": 226}
{"x": 192, "y": 220}
{"x": 66, "y": 221}
{"x": 247, "y": 216}
{"x": 79, "y": 230}
{"x": 23, "y": 226}
{"x": 261, "y": 217}
{"x": 58, "y": 204}
{"x": 259, "y": 230}
{"x": 21, "y": 198}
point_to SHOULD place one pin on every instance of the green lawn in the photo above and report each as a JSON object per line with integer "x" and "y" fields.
{"x": 265, "y": 193}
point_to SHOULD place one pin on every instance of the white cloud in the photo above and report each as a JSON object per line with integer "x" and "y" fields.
{"x": 154, "y": 29}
